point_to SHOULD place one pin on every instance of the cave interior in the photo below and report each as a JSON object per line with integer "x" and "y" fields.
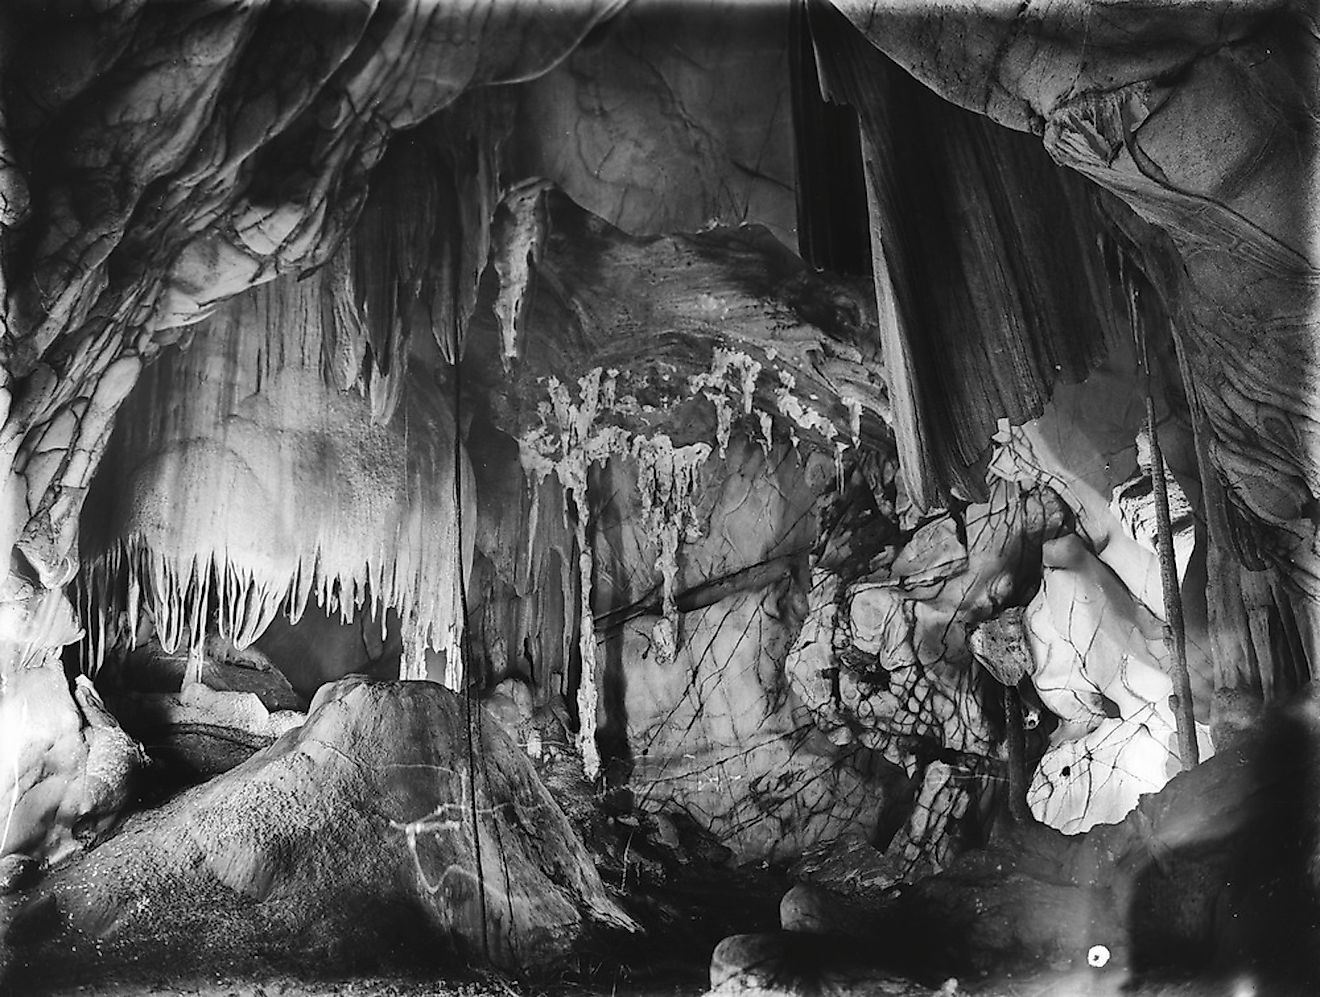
{"x": 659, "y": 496}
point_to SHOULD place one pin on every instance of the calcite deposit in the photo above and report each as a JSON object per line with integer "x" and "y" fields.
{"x": 533, "y": 485}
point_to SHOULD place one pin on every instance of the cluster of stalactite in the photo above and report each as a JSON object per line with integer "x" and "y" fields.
{"x": 229, "y": 146}
{"x": 245, "y": 481}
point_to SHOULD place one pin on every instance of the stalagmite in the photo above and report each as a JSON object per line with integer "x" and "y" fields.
{"x": 587, "y": 696}
{"x": 1001, "y": 647}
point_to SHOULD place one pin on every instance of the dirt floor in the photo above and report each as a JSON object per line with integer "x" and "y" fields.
{"x": 389, "y": 986}
{"x": 1047, "y": 983}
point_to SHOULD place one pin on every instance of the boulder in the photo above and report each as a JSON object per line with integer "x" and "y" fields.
{"x": 366, "y": 836}
{"x": 202, "y": 731}
{"x": 766, "y": 964}
{"x": 849, "y": 866}
{"x": 151, "y": 669}
{"x": 785, "y": 964}
{"x": 65, "y": 765}
{"x": 812, "y": 910}
{"x": 241, "y": 705}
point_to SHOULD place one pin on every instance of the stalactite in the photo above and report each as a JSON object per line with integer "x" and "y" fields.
{"x": 584, "y": 425}
{"x": 667, "y": 479}
{"x": 242, "y": 482}
{"x": 730, "y": 386}
{"x": 854, "y": 407}
{"x": 567, "y": 443}
{"x": 766, "y": 424}
{"x": 346, "y": 339}
{"x": 567, "y": 449}
{"x": 802, "y": 417}
{"x": 518, "y": 237}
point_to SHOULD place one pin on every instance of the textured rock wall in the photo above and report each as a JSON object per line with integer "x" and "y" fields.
{"x": 641, "y": 127}
{"x": 989, "y": 265}
{"x": 141, "y": 203}
{"x": 155, "y": 160}
{"x": 713, "y": 724}
{"x": 1207, "y": 130}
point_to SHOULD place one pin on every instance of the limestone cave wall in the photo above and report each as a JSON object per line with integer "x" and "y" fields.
{"x": 820, "y": 428}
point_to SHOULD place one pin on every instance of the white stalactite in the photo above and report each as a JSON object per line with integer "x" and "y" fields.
{"x": 567, "y": 443}
{"x": 667, "y": 479}
{"x": 250, "y": 482}
{"x": 730, "y": 386}
{"x": 518, "y": 238}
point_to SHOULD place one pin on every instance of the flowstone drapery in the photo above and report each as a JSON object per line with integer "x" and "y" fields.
{"x": 245, "y": 483}
{"x": 156, "y": 160}
{"x": 1095, "y": 628}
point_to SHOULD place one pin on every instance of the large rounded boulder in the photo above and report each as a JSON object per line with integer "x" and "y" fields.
{"x": 394, "y": 825}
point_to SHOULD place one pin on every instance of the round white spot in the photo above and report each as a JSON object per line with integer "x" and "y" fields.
{"x": 1097, "y": 956}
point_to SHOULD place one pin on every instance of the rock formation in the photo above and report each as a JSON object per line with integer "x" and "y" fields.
{"x": 868, "y": 436}
{"x": 360, "y": 835}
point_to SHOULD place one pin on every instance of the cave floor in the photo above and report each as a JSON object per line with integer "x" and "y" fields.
{"x": 376, "y": 986}
{"x": 1045, "y": 983}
